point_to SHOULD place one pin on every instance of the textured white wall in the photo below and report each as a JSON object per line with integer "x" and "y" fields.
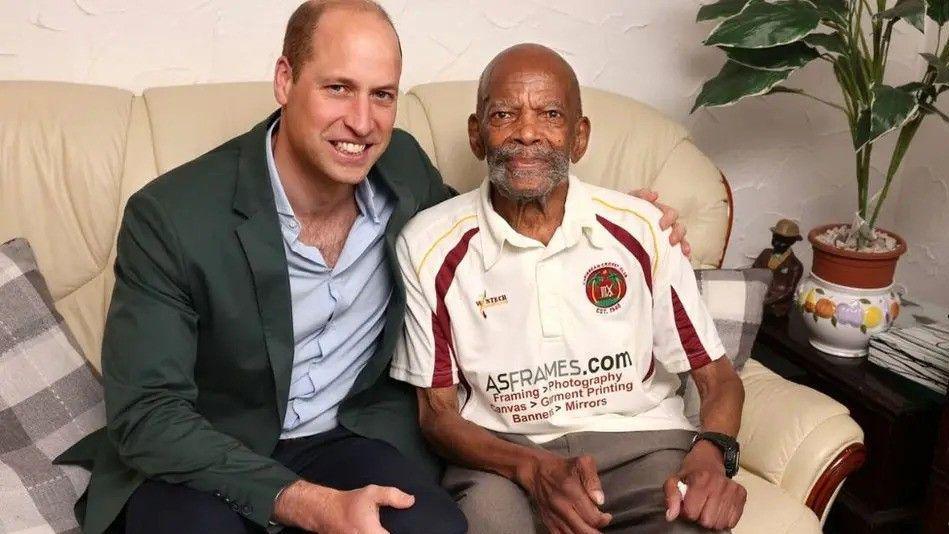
{"x": 784, "y": 156}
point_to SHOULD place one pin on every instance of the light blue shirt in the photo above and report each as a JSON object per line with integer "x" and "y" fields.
{"x": 339, "y": 312}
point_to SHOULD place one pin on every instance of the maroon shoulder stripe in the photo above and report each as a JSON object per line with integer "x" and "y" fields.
{"x": 632, "y": 245}
{"x": 689, "y": 338}
{"x": 441, "y": 322}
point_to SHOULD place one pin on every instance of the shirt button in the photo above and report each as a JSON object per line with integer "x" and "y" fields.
{"x": 292, "y": 224}
{"x": 218, "y": 494}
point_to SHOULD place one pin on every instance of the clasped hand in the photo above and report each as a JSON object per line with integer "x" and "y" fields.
{"x": 712, "y": 499}
{"x": 567, "y": 493}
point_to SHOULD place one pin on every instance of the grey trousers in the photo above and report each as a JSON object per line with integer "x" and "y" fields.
{"x": 632, "y": 468}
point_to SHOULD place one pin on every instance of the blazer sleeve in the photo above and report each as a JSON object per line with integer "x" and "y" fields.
{"x": 149, "y": 352}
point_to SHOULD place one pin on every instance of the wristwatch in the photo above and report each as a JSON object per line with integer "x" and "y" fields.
{"x": 726, "y": 444}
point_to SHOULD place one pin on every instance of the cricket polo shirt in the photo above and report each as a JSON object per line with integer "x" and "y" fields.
{"x": 584, "y": 334}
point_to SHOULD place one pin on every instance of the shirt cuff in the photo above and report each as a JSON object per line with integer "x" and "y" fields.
{"x": 272, "y": 526}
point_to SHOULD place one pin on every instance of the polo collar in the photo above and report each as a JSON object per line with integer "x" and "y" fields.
{"x": 579, "y": 219}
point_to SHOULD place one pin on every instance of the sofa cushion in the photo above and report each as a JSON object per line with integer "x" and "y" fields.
{"x": 735, "y": 300}
{"x": 771, "y": 509}
{"x": 49, "y": 399}
{"x": 64, "y": 150}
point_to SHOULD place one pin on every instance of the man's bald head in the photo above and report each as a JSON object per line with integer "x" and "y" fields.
{"x": 529, "y": 57}
{"x": 298, "y": 39}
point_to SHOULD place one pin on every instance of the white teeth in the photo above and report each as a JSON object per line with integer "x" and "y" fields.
{"x": 349, "y": 148}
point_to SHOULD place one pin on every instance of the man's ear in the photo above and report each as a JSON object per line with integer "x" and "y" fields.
{"x": 282, "y": 80}
{"x": 581, "y": 138}
{"x": 474, "y": 136}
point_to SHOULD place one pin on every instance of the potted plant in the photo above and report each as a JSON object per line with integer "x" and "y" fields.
{"x": 848, "y": 295}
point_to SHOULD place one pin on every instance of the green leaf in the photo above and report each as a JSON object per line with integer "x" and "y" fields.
{"x": 931, "y": 109}
{"x": 833, "y": 321}
{"x": 942, "y": 67}
{"x": 819, "y": 290}
{"x": 762, "y": 24}
{"x": 784, "y": 57}
{"x": 912, "y": 87}
{"x": 891, "y": 108}
{"x": 832, "y": 42}
{"x": 735, "y": 82}
{"x": 865, "y": 301}
{"x": 720, "y": 9}
{"x": 938, "y": 10}
{"x": 912, "y": 11}
{"x": 837, "y": 11}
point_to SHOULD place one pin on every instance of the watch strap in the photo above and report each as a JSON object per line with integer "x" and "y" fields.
{"x": 725, "y": 443}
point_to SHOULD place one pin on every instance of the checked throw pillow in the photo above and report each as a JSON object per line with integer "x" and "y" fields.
{"x": 735, "y": 300}
{"x": 50, "y": 397}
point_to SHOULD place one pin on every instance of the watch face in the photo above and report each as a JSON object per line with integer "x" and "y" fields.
{"x": 731, "y": 462}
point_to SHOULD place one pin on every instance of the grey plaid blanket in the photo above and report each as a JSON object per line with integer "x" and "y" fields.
{"x": 50, "y": 397}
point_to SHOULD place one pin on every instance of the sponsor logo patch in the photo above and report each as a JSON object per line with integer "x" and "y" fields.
{"x": 486, "y": 302}
{"x": 605, "y": 286}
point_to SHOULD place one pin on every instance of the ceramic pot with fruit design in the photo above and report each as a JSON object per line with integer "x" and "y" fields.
{"x": 848, "y": 295}
{"x": 840, "y": 319}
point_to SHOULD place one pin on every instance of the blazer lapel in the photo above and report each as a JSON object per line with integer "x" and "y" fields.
{"x": 262, "y": 242}
{"x": 405, "y": 207}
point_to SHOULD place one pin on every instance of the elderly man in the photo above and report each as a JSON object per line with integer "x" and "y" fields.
{"x": 254, "y": 315}
{"x": 546, "y": 321}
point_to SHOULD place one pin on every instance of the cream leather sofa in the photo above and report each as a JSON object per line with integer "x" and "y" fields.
{"x": 70, "y": 155}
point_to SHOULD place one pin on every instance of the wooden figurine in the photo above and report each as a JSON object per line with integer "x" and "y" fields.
{"x": 784, "y": 265}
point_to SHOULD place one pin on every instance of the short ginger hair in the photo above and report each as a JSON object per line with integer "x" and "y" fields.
{"x": 298, "y": 39}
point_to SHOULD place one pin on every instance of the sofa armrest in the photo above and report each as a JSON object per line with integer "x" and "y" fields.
{"x": 797, "y": 438}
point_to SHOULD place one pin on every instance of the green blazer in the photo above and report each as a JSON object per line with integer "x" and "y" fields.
{"x": 198, "y": 341}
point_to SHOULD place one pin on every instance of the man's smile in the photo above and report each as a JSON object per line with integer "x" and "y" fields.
{"x": 349, "y": 148}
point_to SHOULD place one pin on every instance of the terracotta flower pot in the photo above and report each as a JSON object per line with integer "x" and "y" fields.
{"x": 863, "y": 270}
{"x": 848, "y": 295}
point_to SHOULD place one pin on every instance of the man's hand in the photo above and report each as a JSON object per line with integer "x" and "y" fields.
{"x": 328, "y": 511}
{"x": 712, "y": 500}
{"x": 567, "y": 493}
{"x": 670, "y": 217}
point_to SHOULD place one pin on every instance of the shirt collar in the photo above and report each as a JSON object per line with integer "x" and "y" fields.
{"x": 579, "y": 219}
{"x": 366, "y": 195}
{"x": 280, "y": 196}
{"x": 368, "y": 200}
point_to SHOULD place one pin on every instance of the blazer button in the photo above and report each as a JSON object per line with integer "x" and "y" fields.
{"x": 236, "y": 507}
{"x": 247, "y": 509}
